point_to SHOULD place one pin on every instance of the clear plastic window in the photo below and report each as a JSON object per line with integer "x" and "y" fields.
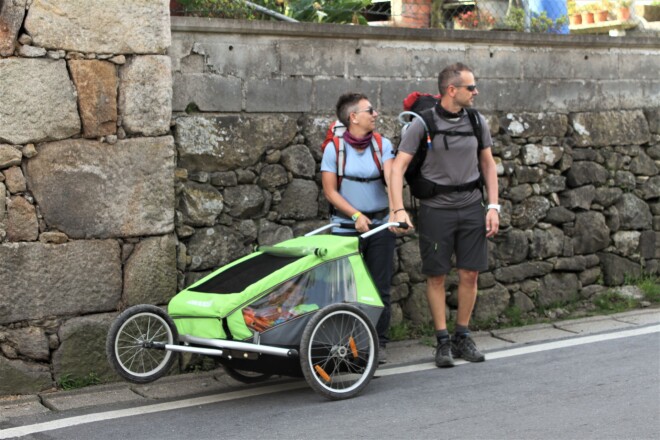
{"x": 329, "y": 283}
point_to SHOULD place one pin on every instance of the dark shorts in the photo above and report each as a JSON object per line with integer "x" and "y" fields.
{"x": 447, "y": 232}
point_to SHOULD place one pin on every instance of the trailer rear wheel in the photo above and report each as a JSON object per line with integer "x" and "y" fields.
{"x": 134, "y": 345}
{"x": 338, "y": 353}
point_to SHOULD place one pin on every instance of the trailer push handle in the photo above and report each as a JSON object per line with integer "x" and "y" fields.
{"x": 292, "y": 251}
{"x": 374, "y": 229}
{"x": 321, "y": 252}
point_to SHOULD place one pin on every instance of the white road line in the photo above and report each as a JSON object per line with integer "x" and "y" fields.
{"x": 531, "y": 349}
{"x": 109, "y": 415}
{"x": 148, "y": 409}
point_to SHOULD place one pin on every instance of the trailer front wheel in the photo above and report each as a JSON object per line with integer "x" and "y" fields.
{"x": 134, "y": 345}
{"x": 338, "y": 351}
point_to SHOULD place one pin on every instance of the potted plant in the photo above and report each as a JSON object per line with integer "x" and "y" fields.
{"x": 610, "y": 6}
{"x": 474, "y": 19}
{"x": 574, "y": 16}
{"x": 623, "y": 10}
{"x": 601, "y": 15}
{"x": 600, "y": 10}
{"x": 587, "y": 14}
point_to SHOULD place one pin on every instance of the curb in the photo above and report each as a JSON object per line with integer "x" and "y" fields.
{"x": 216, "y": 381}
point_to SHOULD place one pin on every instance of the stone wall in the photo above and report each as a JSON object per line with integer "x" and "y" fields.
{"x": 575, "y": 120}
{"x": 86, "y": 181}
{"x": 105, "y": 202}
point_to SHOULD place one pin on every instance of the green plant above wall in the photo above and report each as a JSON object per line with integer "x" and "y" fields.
{"x": 539, "y": 23}
{"x": 318, "y": 11}
{"x": 328, "y": 11}
{"x": 224, "y": 8}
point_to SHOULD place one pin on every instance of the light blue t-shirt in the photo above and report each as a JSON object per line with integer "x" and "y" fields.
{"x": 364, "y": 196}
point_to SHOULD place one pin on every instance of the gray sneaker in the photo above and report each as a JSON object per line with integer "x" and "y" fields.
{"x": 443, "y": 357}
{"x": 464, "y": 347}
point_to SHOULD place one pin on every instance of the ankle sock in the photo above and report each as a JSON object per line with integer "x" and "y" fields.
{"x": 461, "y": 331}
{"x": 441, "y": 335}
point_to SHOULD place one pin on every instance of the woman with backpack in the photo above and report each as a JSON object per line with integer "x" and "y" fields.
{"x": 354, "y": 172}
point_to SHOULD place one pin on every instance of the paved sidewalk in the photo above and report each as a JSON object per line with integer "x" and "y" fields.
{"x": 402, "y": 352}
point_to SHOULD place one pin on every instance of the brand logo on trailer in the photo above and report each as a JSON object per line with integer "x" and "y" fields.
{"x": 197, "y": 303}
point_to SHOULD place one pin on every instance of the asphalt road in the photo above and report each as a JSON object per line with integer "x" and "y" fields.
{"x": 605, "y": 389}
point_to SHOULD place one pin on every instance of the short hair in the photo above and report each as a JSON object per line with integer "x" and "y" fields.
{"x": 449, "y": 74}
{"x": 345, "y": 105}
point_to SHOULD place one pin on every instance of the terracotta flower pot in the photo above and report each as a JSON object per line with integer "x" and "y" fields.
{"x": 575, "y": 20}
{"x": 600, "y": 16}
{"x": 623, "y": 14}
{"x": 587, "y": 18}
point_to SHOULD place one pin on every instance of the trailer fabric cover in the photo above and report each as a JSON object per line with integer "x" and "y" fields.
{"x": 347, "y": 280}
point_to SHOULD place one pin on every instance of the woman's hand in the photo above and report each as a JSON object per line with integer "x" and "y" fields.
{"x": 362, "y": 223}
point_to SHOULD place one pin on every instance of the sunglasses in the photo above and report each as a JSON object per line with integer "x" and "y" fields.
{"x": 370, "y": 110}
{"x": 471, "y": 87}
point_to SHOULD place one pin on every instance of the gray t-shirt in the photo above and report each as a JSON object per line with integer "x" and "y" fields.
{"x": 455, "y": 163}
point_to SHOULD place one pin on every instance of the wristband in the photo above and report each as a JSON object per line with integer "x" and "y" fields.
{"x": 356, "y": 216}
{"x": 397, "y": 210}
{"x": 494, "y": 206}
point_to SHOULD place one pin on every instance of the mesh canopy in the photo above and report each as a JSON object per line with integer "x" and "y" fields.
{"x": 238, "y": 277}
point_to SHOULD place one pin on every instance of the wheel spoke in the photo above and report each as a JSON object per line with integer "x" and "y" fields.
{"x": 140, "y": 334}
{"x": 133, "y": 359}
{"x": 341, "y": 349}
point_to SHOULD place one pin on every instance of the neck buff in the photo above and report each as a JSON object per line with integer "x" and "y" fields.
{"x": 358, "y": 143}
{"x": 447, "y": 114}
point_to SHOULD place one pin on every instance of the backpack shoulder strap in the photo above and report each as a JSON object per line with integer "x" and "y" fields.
{"x": 340, "y": 151}
{"x": 429, "y": 120}
{"x": 377, "y": 150}
{"x": 432, "y": 129}
{"x": 475, "y": 121}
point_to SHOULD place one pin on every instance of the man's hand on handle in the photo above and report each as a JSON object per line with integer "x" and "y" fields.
{"x": 401, "y": 216}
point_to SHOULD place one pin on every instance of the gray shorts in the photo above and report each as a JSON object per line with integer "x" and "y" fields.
{"x": 447, "y": 232}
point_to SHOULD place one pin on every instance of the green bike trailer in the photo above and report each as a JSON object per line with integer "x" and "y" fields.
{"x": 270, "y": 293}
{"x": 304, "y": 307}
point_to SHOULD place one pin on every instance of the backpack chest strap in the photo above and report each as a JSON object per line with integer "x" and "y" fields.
{"x": 446, "y": 133}
{"x": 453, "y": 133}
{"x": 362, "y": 179}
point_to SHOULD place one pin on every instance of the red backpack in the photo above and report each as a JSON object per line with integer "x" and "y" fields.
{"x": 417, "y": 101}
{"x": 334, "y": 135}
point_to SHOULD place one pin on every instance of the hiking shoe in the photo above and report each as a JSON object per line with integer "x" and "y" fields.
{"x": 465, "y": 348}
{"x": 443, "y": 357}
{"x": 382, "y": 355}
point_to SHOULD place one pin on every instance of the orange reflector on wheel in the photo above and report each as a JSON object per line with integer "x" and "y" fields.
{"x": 321, "y": 372}
{"x": 351, "y": 343}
